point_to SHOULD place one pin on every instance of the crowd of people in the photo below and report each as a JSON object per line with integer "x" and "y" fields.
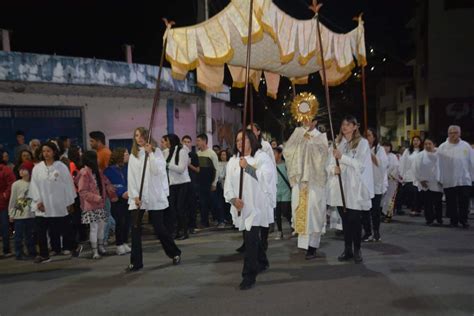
{"x": 57, "y": 198}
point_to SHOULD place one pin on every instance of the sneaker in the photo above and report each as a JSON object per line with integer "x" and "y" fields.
{"x": 76, "y": 253}
{"x": 177, "y": 260}
{"x": 377, "y": 236}
{"x": 54, "y": 253}
{"x": 66, "y": 252}
{"x": 95, "y": 254}
{"x": 7, "y": 255}
{"x": 102, "y": 250}
{"x": 367, "y": 238}
{"x": 131, "y": 268}
{"x": 121, "y": 250}
{"x": 40, "y": 259}
{"x": 279, "y": 235}
{"x": 221, "y": 226}
{"x": 127, "y": 248}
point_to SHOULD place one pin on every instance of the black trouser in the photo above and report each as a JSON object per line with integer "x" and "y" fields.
{"x": 57, "y": 227}
{"x": 78, "y": 230}
{"x": 121, "y": 214}
{"x": 371, "y": 219}
{"x": 351, "y": 225}
{"x": 167, "y": 242}
{"x": 411, "y": 197}
{"x": 255, "y": 257}
{"x": 432, "y": 205}
{"x": 457, "y": 203}
{"x": 283, "y": 208}
{"x": 179, "y": 205}
{"x": 205, "y": 202}
{"x": 193, "y": 203}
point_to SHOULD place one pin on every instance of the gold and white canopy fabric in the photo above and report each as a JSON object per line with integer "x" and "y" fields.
{"x": 281, "y": 45}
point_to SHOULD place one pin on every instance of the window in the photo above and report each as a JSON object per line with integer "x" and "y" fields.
{"x": 408, "y": 116}
{"x": 421, "y": 114}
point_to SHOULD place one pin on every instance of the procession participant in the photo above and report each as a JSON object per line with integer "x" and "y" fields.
{"x": 250, "y": 212}
{"x": 353, "y": 153}
{"x": 306, "y": 153}
{"x": 154, "y": 197}
{"x": 409, "y": 190}
{"x": 389, "y": 198}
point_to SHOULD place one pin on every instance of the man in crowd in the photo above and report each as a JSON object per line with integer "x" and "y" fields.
{"x": 97, "y": 142}
{"x": 193, "y": 170}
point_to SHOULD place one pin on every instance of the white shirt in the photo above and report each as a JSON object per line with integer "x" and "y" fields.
{"x": 257, "y": 194}
{"x": 427, "y": 169}
{"x": 53, "y": 186}
{"x": 456, "y": 163}
{"x": 178, "y": 173}
{"x": 380, "y": 171}
{"x": 407, "y": 164}
{"x": 357, "y": 177}
{"x": 155, "y": 186}
{"x": 393, "y": 166}
{"x": 267, "y": 148}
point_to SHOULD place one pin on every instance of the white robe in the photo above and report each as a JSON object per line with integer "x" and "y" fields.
{"x": 267, "y": 148}
{"x": 53, "y": 186}
{"x": 388, "y": 200}
{"x": 306, "y": 156}
{"x": 257, "y": 194}
{"x": 427, "y": 169}
{"x": 155, "y": 186}
{"x": 407, "y": 166}
{"x": 357, "y": 177}
{"x": 456, "y": 162}
{"x": 380, "y": 171}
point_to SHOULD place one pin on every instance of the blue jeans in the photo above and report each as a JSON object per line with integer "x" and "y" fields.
{"x": 24, "y": 230}
{"x": 110, "y": 222}
{"x": 5, "y": 231}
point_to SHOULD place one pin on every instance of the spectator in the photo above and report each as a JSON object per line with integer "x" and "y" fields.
{"x": 93, "y": 187}
{"x": 7, "y": 178}
{"x": 20, "y": 213}
{"x": 52, "y": 191}
{"x": 20, "y": 139}
{"x": 216, "y": 149}
{"x": 24, "y": 155}
{"x": 390, "y": 197}
{"x": 64, "y": 145}
{"x": 6, "y": 160}
{"x": 207, "y": 179}
{"x": 35, "y": 145}
{"x": 117, "y": 173}
{"x": 283, "y": 193}
{"x": 97, "y": 142}
{"x": 274, "y": 144}
{"x": 220, "y": 204}
{"x": 193, "y": 170}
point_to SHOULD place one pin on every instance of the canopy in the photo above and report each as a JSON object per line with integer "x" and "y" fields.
{"x": 281, "y": 45}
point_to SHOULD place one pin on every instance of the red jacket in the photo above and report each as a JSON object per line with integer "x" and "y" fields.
{"x": 88, "y": 190}
{"x": 7, "y": 177}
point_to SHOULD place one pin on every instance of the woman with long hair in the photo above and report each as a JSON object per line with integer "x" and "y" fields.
{"x": 154, "y": 197}
{"x": 117, "y": 173}
{"x": 52, "y": 192}
{"x": 93, "y": 188}
{"x": 24, "y": 156}
{"x": 410, "y": 194}
{"x": 250, "y": 213}
{"x": 355, "y": 169}
{"x": 371, "y": 220}
{"x": 393, "y": 176}
{"x": 177, "y": 163}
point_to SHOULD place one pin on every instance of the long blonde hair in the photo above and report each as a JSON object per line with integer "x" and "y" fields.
{"x": 356, "y": 136}
{"x": 144, "y": 133}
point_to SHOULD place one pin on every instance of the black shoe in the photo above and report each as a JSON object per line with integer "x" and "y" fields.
{"x": 453, "y": 225}
{"x": 429, "y": 223}
{"x": 176, "y": 260}
{"x": 77, "y": 252}
{"x": 184, "y": 237}
{"x": 357, "y": 256}
{"x": 178, "y": 237}
{"x": 263, "y": 268}
{"x": 346, "y": 256}
{"x": 241, "y": 249}
{"x": 465, "y": 225}
{"x": 310, "y": 253}
{"x": 192, "y": 231}
{"x": 133, "y": 268}
{"x": 377, "y": 236}
{"x": 246, "y": 284}
{"x": 367, "y": 237}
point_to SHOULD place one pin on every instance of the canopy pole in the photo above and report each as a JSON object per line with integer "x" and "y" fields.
{"x": 315, "y": 7}
{"x": 156, "y": 99}
{"x": 364, "y": 99}
{"x": 246, "y": 97}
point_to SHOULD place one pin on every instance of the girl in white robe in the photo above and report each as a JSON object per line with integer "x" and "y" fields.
{"x": 154, "y": 198}
{"x": 371, "y": 220}
{"x": 250, "y": 213}
{"x": 52, "y": 192}
{"x": 427, "y": 176}
{"x": 407, "y": 174}
{"x": 353, "y": 152}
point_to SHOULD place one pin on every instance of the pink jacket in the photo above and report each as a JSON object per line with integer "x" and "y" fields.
{"x": 88, "y": 190}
